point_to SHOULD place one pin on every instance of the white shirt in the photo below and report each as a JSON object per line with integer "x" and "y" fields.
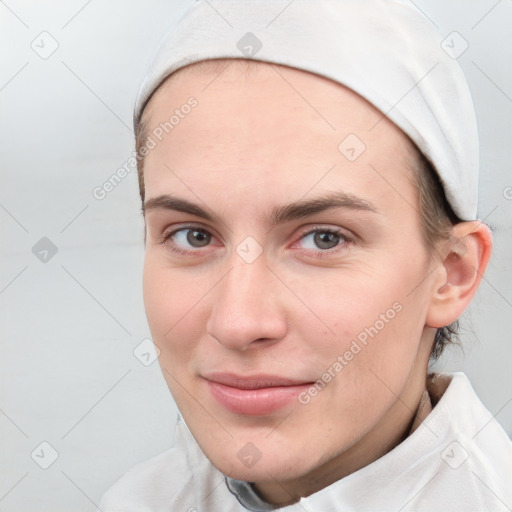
{"x": 458, "y": 459}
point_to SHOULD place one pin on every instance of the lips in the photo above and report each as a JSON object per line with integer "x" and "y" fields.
{"x": 254, "y": 395}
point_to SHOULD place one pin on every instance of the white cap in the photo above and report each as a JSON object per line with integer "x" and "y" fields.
{"x": 385, "y": 50}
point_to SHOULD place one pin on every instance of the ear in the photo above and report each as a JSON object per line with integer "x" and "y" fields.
{"x": 464, "y": 259}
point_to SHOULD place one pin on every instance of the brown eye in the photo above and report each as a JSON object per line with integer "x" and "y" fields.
{"x": 198, "y": 238}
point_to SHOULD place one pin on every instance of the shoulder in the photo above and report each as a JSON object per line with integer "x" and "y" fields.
{"x": 467, "y": 418}
{"x": 484, "y": 443}
{"x": 474, "y": 459}
{"x": 181, "y": 478}
{"x": 150, "y": 485}
{"x": 458, "y": 459}
{"x": 161, "y": 481}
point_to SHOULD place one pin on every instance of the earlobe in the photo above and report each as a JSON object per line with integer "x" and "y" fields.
{"x": 464, "y": 260}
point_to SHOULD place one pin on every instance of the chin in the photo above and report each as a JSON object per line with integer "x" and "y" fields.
{"x": 257, "y": 458}
{"x": 279, "y": 468}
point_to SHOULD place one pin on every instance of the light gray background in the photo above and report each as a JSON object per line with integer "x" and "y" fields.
{"x": 70, "y": 325}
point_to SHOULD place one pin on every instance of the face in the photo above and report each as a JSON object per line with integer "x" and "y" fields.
{"x": 286, "y": 282}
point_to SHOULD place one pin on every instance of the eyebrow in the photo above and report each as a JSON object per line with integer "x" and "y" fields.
{"x": 279, "y": 215}
{"x": 301, "y": 208}
{"x": 168, "y": 202}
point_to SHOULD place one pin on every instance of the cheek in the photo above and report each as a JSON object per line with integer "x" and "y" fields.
{"x": 369, "y": 314}
{"x": 175, "y": 312}
{"x": 344, "y": 302}
{"x": 171, "y": 301}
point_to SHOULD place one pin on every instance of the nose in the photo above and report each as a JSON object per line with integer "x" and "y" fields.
{"x": 247, "y": 309}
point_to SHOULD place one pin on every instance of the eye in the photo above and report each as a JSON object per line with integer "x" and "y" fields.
{"x": 189, "y": 238}
{"x": 323, "y": 239}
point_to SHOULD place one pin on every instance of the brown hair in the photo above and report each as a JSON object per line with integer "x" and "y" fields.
{"x": 436, "y": 215}
{"x": 437, "y": 220}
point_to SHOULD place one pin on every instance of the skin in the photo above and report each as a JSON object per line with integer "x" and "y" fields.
{"x": 253, "y": 145}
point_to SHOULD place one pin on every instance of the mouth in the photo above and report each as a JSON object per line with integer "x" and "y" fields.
{"x": 255, "y": 395}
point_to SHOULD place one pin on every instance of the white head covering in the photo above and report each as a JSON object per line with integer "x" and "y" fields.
{"x": 385, "y": 50}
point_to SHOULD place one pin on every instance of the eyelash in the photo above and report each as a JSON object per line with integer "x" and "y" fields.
{"x": 344, "y": 240}
{"x": 322, "y": 253}
{"x": 164, "y": 240}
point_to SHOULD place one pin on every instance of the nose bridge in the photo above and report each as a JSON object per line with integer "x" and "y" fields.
{"x": 243, "y": 279}
{"x": 246, "y": 307}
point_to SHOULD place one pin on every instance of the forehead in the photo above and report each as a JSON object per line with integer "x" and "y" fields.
{"x": 258, "y": 125}
{"x": 289, "y": 92}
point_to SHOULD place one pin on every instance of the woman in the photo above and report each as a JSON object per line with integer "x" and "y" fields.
{"x": 309, "y": 186}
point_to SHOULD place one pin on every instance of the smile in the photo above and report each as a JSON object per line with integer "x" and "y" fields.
{"x": 254, "y": 395}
